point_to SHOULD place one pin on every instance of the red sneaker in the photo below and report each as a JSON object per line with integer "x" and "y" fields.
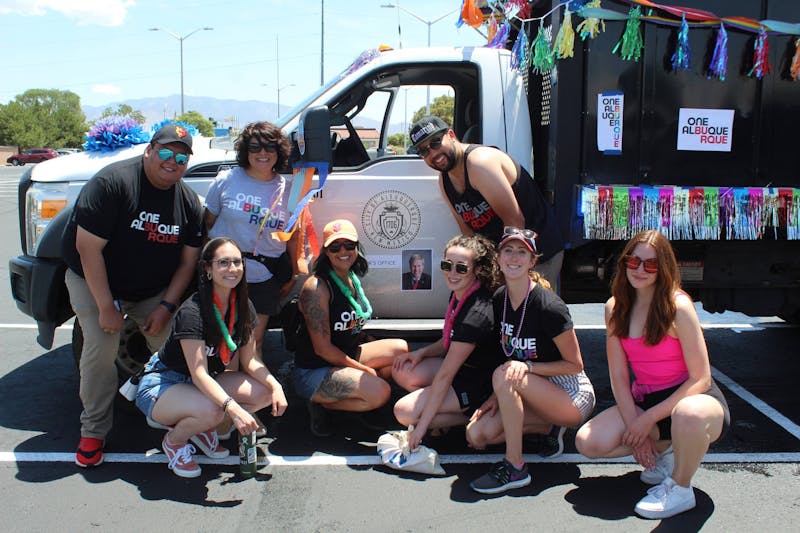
{"x": 180, "y": 459}
{"x": 208, "y": 442}
{"x": 90, "y": 452}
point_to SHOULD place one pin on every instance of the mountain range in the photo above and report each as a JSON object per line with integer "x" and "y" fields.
{"x": 236, "y": 113}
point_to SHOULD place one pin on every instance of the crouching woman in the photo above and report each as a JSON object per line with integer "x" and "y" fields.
{"x": 208, "y": 367}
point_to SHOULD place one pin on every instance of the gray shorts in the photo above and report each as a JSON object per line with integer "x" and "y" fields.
{"x": 579, "y": 389}
{"x": 155, "y": 382}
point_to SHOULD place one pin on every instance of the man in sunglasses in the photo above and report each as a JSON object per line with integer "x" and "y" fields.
{"x": 487, "y": 191}
{"x": 131, "y": 246}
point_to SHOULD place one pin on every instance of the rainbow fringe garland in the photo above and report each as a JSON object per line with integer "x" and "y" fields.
{"x": 683, "y": 213}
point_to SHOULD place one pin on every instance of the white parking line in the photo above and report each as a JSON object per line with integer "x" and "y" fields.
{"x": 367, "y": 460}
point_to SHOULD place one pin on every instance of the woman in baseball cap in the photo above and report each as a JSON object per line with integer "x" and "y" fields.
{"x": 337, "y": 365}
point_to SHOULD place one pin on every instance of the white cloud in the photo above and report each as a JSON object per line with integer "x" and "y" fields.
{"x": 106, "y": 88}
{"x": 84, "y": 12}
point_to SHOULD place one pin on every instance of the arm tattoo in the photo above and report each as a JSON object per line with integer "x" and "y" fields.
{"x": 316, "y": 315}
{"x": 337, "y": 386}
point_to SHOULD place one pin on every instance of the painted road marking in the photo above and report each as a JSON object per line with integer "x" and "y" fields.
{"x": 367, "y": 460}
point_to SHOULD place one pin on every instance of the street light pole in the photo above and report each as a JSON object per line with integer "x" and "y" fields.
{"x": 279, "y": 89}
{"x": 180, "y": 39}
{"x": 429, "y": 23}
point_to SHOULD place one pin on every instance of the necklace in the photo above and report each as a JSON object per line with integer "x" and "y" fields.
{"x": 363, "y": 314}
{"x": 450, "y": 316}
{"x": 504, "y": 339}
{"x": 227, "y": 347}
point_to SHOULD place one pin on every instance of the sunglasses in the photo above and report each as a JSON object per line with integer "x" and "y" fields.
{"x": 165, "y": 154}
{"x": 334, "y": 247}
{"x": 435, "y": 144}
{"x": 446, "y": 265}
{"x": 226, "y": 262}
{"x": 527, "y": 234}
{"x": 632, "y": 262}
{"x": 256, "y": 147}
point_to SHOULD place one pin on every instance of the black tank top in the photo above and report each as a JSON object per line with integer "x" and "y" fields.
{"x": 345, "y": 327}
{"x": 476, "y": 212}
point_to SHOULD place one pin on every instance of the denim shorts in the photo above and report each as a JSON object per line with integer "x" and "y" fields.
{"x": 154, "y": 383}
{"x": 307, "y": 380}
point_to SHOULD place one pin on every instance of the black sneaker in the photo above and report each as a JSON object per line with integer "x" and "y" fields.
{"x": 500, "y": 478}
{"x": 320, "y": 420}
{"x": 554, "y": 442}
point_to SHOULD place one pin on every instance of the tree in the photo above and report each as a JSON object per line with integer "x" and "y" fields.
{"x": 204, "y": 126}
{"x": 441, "y": 106}
{"x": 43, "y": 117}
{"x": 396, "y": 139}
{"x": 122, "y": 110}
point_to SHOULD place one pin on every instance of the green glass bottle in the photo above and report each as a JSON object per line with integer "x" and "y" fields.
{"x": 247, "y": 454}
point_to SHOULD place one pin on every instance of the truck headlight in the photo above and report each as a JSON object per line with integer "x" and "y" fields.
{"x": 43, "y": 201}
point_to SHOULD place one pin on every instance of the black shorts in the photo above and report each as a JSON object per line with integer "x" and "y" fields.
{"x": 266, "y": 296}
{"x": 472, "y": 386}
{"x": 665, "y": 424}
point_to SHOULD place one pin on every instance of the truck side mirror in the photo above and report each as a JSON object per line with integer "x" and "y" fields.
{"x": 313, "y": 136}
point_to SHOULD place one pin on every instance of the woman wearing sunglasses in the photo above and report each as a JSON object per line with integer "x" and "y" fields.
{"x": 337, "y": 366}
{"x": 208, "y": 368}
{"x": 249, "y": 203}
{"x": 542, "y": 385}
{"x": 672, "y": 410}
{"x": 450, "y": 378}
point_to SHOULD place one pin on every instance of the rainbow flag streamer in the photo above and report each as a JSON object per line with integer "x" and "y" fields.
{"x": 301, "y": 194}
{"x": 684, "y": 213}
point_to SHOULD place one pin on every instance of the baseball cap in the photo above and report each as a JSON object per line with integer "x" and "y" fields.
{"x": 339, "y": 229}
{"x": 173, "y": 133}
{"x": 425, "y": 128}
{"x": 525, "y": 236}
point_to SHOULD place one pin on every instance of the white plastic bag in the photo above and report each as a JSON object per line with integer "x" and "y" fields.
{"x": 394, "y": 453}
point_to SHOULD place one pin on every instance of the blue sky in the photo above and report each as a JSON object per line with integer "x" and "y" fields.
{"x": 102, "y": 49}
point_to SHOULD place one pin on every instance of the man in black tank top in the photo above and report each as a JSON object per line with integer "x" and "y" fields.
{"x": 487, "y": 190}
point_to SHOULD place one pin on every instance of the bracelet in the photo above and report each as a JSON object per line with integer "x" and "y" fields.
{"x": 227, "y": 402}
{"x": 171, "y": 307}
{"x": 529, "y": 364}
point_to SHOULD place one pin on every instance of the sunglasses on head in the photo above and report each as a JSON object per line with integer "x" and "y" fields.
{"x": 632, "y": 262}
{"x": 446, "y": 265}
{"x": 165, "y": 154}
{"x": 334, "y": 247}
{"x": 435, "y": 144}
{"x": 255, "y": 147}
{"x": 527, "y": 234}
{"x": 226, "y": 262}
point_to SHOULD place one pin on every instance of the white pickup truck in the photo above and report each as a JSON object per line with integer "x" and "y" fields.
{"x": 394, "y": 200}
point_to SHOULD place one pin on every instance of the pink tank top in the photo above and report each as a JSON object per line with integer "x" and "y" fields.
{"x": 656, "y": 366}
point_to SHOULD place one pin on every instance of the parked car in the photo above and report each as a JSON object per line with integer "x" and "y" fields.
{"x": 34, "y": 155}
{"x": 67, "y": 151}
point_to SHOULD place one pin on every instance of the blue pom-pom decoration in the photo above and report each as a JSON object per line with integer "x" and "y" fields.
{"x": 114, "y": 132}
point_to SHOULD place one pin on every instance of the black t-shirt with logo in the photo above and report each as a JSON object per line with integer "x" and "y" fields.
{"x": 146, "y": 228}
{"x": 188, "y": 323}
{"x": 345, "y": 327}
{"x": 474, "y": 324}
{"x": 546, "y": 317}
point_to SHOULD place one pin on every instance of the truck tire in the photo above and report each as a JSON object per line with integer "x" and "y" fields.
{"x": 133, "y": 352}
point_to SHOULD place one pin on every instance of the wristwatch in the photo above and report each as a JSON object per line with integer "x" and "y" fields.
{"x": 171, "y": 307}
{"x": 529, "y": 364}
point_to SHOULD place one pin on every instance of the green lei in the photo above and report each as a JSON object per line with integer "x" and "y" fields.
{"x": 362, "y": 314}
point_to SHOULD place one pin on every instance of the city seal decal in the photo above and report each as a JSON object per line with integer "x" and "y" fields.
{"x": 391, "y": 219}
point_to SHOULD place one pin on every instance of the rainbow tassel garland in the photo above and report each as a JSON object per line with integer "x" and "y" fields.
{"x": 519, "y": 52}
{"x": 718, "y": 67}
{"x": 592, "y": 26}
{"x": 681, "y": 59}
{"x": 795, "y": 68}
{"x": 543, "y": 59}
{"x": 565, "y": 40}
{"x": 760, "y": 56}
{"x": 630, "y": 45}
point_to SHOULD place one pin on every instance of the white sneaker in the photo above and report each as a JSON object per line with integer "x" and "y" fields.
{"x": 666, "y": 499}
{"x": 665, "y": 462}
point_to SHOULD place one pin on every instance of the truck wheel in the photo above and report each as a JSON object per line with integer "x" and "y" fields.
{"x": 132, "y": 354}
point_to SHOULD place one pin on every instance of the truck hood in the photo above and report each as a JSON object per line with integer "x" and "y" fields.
{"x": 83, "y": 165}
